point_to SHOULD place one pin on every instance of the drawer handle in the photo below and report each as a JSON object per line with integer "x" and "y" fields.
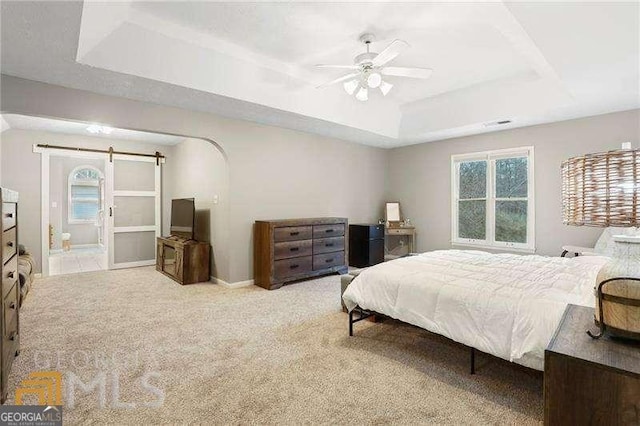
{"x": 12, "y": 305}
{"x": 329, "y": 245}
{"x": 9, "y": 215}
{"x": 329, "y": 231}
{"x": 294, "y": 233}
{"x": 12, "y": 336}
{"x": 329, "y": 260}
{"x": 10, "y": 244}
{"x": 294, "y": 266}
{"x": 11, "y": 274}
{"x": 294, "y": 248}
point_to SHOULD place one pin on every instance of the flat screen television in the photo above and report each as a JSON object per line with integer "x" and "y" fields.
{"x": 183, "y": 214}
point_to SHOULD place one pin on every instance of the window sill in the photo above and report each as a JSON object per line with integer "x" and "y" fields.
{"x": 81, "y": 222}
{"x": 495, "y": 248}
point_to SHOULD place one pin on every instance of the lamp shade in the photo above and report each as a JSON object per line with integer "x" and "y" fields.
{"x": 602, "y": 189}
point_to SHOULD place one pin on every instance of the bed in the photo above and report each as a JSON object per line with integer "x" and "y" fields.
{"x": 503, "y": 304}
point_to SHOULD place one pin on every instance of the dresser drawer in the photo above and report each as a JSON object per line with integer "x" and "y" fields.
{"x": 9, "y": 275}
{"x": 328, "y": 260}
{"x": 322, "y": 231}
{"x": 288, "y": 249}
{"x": 290, "y": 267}
{"x": 8, "y": 215}
{"x": 292, "y": 233}
{"x": 9, "y": 244}
{"x": 10, "y": 340}
{"x": 10, "y": 307}
{"x": 328, "y": 245}
{"x": 400, "y": 231}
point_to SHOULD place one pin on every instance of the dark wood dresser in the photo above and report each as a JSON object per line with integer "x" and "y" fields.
{"x": 10, "y": 287}
{"x": 294, "y": 249}
{"x": 587, "y": 381}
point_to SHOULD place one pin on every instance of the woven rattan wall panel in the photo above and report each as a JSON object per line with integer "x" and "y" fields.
{"x": 602, "y": 189}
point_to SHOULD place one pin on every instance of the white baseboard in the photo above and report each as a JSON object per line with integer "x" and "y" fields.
{"x": 37, "y": 275}
{"x": 237, "y": 284}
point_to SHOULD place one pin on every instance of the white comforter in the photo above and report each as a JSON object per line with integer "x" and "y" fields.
{"x": 503, "y": 304}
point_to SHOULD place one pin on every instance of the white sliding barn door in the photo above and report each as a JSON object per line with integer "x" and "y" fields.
{"x": 133, "y": 210}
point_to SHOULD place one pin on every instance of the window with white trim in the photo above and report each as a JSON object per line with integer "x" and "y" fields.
{"x": 493, "y": 199}
{"x": 84, "y": 194}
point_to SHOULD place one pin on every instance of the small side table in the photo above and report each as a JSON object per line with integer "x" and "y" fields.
{"x": 589, "y": 381}
{"x": 402, "y": 231}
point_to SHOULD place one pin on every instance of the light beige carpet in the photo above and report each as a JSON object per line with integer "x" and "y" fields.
{"x": 251, "y": 356}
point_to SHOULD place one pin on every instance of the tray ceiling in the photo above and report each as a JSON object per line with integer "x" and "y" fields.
{"x": 525, "y": 62}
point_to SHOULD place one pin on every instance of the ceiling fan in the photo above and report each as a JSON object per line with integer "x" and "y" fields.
{"x": 369, "y": 68}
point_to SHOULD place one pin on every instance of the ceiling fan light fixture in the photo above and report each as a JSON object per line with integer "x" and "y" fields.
{"x": 350, "y": 86}
{"x": 385, "y": 87}
{"x": 362, "y": 94}
{"x": 374, "y": 79}
{"x": 96, "y": 128}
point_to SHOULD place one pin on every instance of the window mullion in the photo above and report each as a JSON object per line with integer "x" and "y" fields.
{"x": 491, "y": 202}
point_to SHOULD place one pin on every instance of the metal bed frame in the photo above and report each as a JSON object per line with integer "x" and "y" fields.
{"x": 364, "y": 314}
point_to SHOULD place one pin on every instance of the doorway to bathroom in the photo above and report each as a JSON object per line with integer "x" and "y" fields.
{"x": 76, "y": 214}
{"x": 104, "y": 208}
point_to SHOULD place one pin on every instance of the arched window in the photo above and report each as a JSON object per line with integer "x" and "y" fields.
{"x": 84, "y": 194}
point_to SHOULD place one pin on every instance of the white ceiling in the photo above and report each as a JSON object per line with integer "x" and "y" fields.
{"x": 527, "y": 62}
{"x": 24, "y": 122}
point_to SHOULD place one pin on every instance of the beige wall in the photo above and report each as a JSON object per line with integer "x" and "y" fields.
{"x": 280, "y": 173}
{"x": 200, "y": 171}
{"x": 420, "y": 175}
{"x": 21, "y": 172}
{"x": 273, "y": 172}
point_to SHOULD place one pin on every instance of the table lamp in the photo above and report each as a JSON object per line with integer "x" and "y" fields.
{"x": 603, "y": 190}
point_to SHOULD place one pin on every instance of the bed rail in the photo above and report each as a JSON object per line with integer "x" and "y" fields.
{"x": 363, "y": 314}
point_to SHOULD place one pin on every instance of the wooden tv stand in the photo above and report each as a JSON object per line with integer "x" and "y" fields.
{"x": 185, "y": 261}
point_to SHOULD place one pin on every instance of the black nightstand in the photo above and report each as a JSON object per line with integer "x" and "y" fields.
{"x": 589, "y": 381}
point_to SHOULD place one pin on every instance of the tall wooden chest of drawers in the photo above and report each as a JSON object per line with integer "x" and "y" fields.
{"x": 294, "y": 249}
{"x": 10, "y": 345}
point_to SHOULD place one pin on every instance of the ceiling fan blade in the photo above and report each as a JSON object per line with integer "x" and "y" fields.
{"x": 347, "y": 67}
{"x": 394, "y": 49}
{"x": 407, "y": 72}
{"x": 340, "y": 79}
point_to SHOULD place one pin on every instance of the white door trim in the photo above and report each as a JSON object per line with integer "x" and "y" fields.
{"x": 44, "y": 212}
